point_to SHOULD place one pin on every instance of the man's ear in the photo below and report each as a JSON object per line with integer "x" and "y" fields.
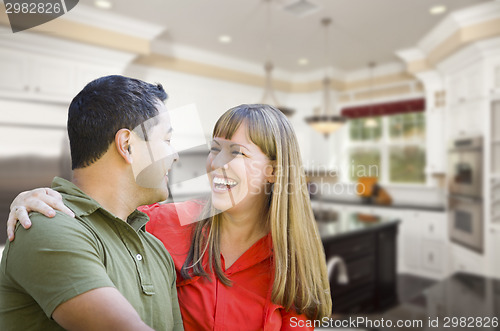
{"x": 122, "y": 142}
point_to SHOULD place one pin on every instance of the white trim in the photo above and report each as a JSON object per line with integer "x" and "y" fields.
{"x": 194, "y": 54}
{"x": 383, "y": 69}
{"x": 411, "y": 54}
{"x": 111, "y": 21}
{"x": 189, "y": 53}
{"x": 470, "y": 55}
{"x": 44, "y": 45}
{"x": 457, "y": 20}
{"x": 404, "y": 97}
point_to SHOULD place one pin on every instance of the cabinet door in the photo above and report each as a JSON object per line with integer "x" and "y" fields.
{"x": 494, "y": 240}
{"x": 12, "y": 69}
{"x": 409, "y": 243}
{"x": 433, "y": 225}
{"x": 436, "y": 142}
{"x": 52, "y": 79}
{"x": 386, "y": 267}
{"x": 432, "y": 256}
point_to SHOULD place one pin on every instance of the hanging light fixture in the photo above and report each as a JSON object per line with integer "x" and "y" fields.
{"x": 371, "y": 122}
{"x": 269, "y": 97}
{"x": 324, "y": 121}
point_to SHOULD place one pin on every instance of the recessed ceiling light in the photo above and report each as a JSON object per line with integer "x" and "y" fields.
{"x": 436, "y": 10}
{"x": 103, "y": 4}
{"x": 303, "y": 61}
{"x": 225, "y": 39}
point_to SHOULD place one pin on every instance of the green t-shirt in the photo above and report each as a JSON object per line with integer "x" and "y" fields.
{"x": 59, "y": 258}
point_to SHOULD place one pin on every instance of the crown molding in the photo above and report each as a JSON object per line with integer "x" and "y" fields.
{"x": 110, "y": 21}
{"x": 35, "y": 43}
{"x": 380, "y": 70}
{"x": 183, "y": 52}
{"x": 411, "y": 55}
{"x": 470, "y": 55}
{"x": 458, "y": 20}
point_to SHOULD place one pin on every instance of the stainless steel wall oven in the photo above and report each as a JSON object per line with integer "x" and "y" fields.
{"x": 465, "y": 177}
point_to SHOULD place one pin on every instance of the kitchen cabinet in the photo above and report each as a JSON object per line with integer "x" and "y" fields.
{"x": 494, "y": 249}
{"x": 26, "y": 76}
{"x": 467, "y": 119}
{"x": 493, "y": 76}
{"x": 465, "y": 260}
{"x": 370, "y": 259}
{"x": 432, "y": 256}
{"x": 386, "y": 293}
{"x": 36, "y": 77}
{"x": 435, "y": 141}
{"x": 423, "y": 243}
{"x": 466, "y": 84}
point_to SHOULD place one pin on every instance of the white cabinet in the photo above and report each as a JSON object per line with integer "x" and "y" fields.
{"x": 467, "y": 119}
{"x": 432, "y": 256}
{"x": 435, "y": 141}
{"x": 13, "y": 73}
{"x": 46, "y": 78}
{"x": 465, "y": 260}
{"x": 423, "y": 244}
{"x": 494, "y": 251}
{"x": 35, "y": 77}
{"x": 492, "y": 80}
{"x": 466, "y": 84}
{"x": 408, "y": 244}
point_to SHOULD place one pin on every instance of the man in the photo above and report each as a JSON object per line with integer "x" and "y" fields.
{"x": 101, "y": 271}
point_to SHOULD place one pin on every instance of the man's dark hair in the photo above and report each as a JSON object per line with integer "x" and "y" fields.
{"x": 105, "y": 106}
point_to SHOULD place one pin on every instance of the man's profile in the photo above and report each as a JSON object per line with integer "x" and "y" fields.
{"x": 100, "y": 270}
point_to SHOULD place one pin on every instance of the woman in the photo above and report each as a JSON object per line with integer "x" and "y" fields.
{"x": 258, "y": 262}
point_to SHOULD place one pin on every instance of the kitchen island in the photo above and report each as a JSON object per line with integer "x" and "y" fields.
{"x": 362, "y": 249}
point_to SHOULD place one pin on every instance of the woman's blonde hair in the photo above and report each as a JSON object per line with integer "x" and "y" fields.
{"x": 300, "y": 276}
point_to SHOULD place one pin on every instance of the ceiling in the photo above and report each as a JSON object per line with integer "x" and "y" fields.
{"x": 362, "y": 30}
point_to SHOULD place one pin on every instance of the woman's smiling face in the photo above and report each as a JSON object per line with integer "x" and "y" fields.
{"x": 239, "y": 172}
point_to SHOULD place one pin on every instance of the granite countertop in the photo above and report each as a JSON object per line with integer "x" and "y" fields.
{"x": 396, "y": 206}
{"x": 347, "y": 224}
{"x": 461, "y": 295}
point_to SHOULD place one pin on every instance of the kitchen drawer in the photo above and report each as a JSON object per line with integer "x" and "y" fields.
{"x": 360, "y": 272}
{"x": 352, "y": 248}
{"x": 434, "y": 228}
{"x": 432, "y": 255}
{"x": 464, "y": 260}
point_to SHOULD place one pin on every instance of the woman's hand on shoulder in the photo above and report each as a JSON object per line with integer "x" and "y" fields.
{"x": 43, "y": 200}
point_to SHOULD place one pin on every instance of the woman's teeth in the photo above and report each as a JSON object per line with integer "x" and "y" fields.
{"x": 224, "y": 183}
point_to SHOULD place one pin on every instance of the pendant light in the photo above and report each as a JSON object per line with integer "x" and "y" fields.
{"x": 371, "y": 122}
{"x": 324, "y": 121}
{"x": 269, "y": 97}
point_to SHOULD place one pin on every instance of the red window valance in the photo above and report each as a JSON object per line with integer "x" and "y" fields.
{"x": 387, "y": 108}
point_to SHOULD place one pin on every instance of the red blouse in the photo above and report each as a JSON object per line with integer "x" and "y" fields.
{"x": 209, "y": 304}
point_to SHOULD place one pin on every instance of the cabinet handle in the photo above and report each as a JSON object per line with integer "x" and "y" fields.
{"x": 37, "y": 89}
{"x": 431, "y": 228}
{"x": 26, "y": 88}
{"x": 431, "y": 257}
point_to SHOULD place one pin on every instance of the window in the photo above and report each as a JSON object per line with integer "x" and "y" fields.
{"x": 391, "y": 148}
